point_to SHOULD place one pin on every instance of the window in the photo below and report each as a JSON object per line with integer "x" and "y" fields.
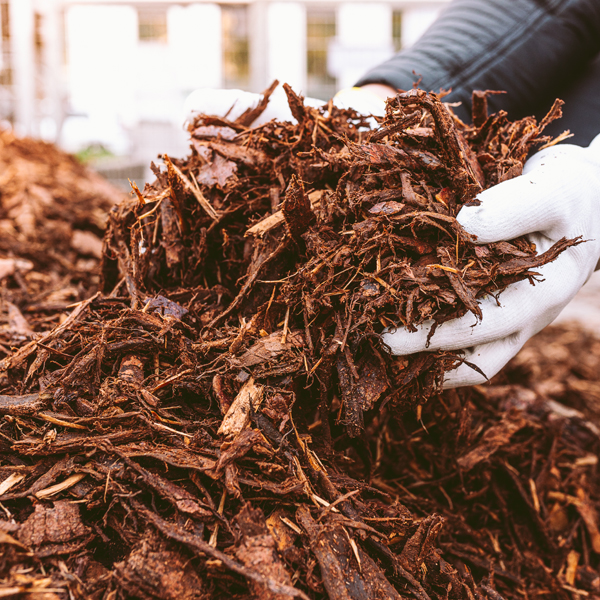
{"x": 152, "y": 25}
{"x": 236, "y": 58}
{"x": 38, "y": 37}
{"x": 320, "y": 30}
{"x": 397, "y": 29}
{"x": 5, "y": 70}
{"x": 4, "y": 10}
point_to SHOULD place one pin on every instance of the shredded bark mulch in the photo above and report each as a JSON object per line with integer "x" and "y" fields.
{"x": 221, "y": 419}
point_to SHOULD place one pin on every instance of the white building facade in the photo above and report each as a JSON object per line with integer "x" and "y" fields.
{"x": 118, "y": 71}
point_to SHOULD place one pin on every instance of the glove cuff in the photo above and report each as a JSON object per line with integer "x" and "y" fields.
{"x": 363, "y": 101}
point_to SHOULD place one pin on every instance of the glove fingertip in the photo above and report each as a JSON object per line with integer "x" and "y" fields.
{"x": 402, "y": 342}
{"x": 506, "y": 211}
{"x": 463, "y": 376}
{"x": 482, "y": 225}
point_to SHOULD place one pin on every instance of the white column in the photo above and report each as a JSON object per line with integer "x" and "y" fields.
{"x": 23, "y": 64}
{"x": 101, "y": 47}
{"x": 257, "y": 17}
{"x": 364, "y": 39}
{"x": 54, "y": 83}
{"x": 101, "y": 50}
{"x": 415, "y": 21}
{"x": 286, "y": 39}
{"x": 195, "y": 45}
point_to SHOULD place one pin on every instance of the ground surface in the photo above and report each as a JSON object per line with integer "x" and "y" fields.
{"x": 585, "y": 307}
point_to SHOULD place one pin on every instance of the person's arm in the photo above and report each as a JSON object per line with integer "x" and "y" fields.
{"x": 581, "y": 111}
{"x": 535, "y": 50}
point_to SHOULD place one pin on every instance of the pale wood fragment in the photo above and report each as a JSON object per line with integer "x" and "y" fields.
{"x": 10, "y": 482}
{"x": 204, "y": 203}
{"x": 259, "y": 229}
{"x": 238, "y": 415}
{"x": 59, "y": 487}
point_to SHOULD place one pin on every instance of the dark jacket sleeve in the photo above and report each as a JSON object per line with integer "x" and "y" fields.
{"x": 535, "y": 50}
{"x": 581, "y": 112}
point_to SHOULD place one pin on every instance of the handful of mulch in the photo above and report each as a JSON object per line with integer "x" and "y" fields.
{"x": 302, "y": 242}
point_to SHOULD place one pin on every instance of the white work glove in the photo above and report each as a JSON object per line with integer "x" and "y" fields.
{"x": 557, "y": 196}
{"x": 234, "y": 102}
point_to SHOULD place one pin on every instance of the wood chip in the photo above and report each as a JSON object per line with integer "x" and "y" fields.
{"x": 60, "y": 487}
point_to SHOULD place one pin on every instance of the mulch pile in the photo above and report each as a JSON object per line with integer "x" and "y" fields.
{"x": 221, "y": 419}
{"x": 52, "y": 220}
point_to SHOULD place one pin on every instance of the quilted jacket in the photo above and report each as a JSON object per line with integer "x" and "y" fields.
{"x": 535, "y": 50}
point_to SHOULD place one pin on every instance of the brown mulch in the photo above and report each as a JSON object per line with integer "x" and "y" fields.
{"x": 53, "y": 213}
{"x": 221, "y": 419}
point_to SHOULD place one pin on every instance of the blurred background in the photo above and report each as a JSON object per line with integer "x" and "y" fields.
{"x": 107, "y": 79}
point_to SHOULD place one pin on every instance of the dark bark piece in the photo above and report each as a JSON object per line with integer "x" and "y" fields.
{"x": 381, "y": 196}
{"x": 508, "y": 248}
{"x": 177, "y": 457}
{"x": 554, "y": 113}
{"x": 28, "y": 404}
{"x": 471, "y": 161}
{"x": 511, "y": 172}
{"x": 213, "y": 131}
{"x": 404, "y": 123}
{"x": 466, "y": 179}
{"x": 75, "y": 443}
{"x": 458, "y": 284}
{"x": 216, "y": 170}
{"x": 251, "y": 114}
{"x": 386, "y": 208}
{"x": 353, "y": 411}
{"x": 296, "y": 103}
{"x": 421, "y": 544}
{"x": 51, "y": 530}
{"x": 290, "y": 488}
{"x": 479, "y": 107}
{"x": 297, "y": 209}
{"x": 541, "y": 530}
{"x": 408, "y": 193}
{"x": 248, "y": 157}
{"x": 283, "y": 534}
{"x": 152, "y": 570}
{"x": 383, "y": 155}
{"x": 238, "y": 448}
{"x": 165, "y": 307}
{"x": 531, "y": 262}
{"x": 372, "y": 382}
{"x": 14, "y": 360}
{"x": 360, "y": 393}
{"x": 178, "y": 496}
{"x": 49, "y": 477}
{"x": 258, "y": 550}
{"x": 132, "y": 369}
{"x": 223, "y": 389}
{"x": 263, "y": 255}
{"x": 180, "y": 190}
{"x": 343, "y": 577}
{"x": 171, "y": 238}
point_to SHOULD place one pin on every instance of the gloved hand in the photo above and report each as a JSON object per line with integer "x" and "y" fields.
{"x": 557, "y": 196}
{"x": 234, "y": 102}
